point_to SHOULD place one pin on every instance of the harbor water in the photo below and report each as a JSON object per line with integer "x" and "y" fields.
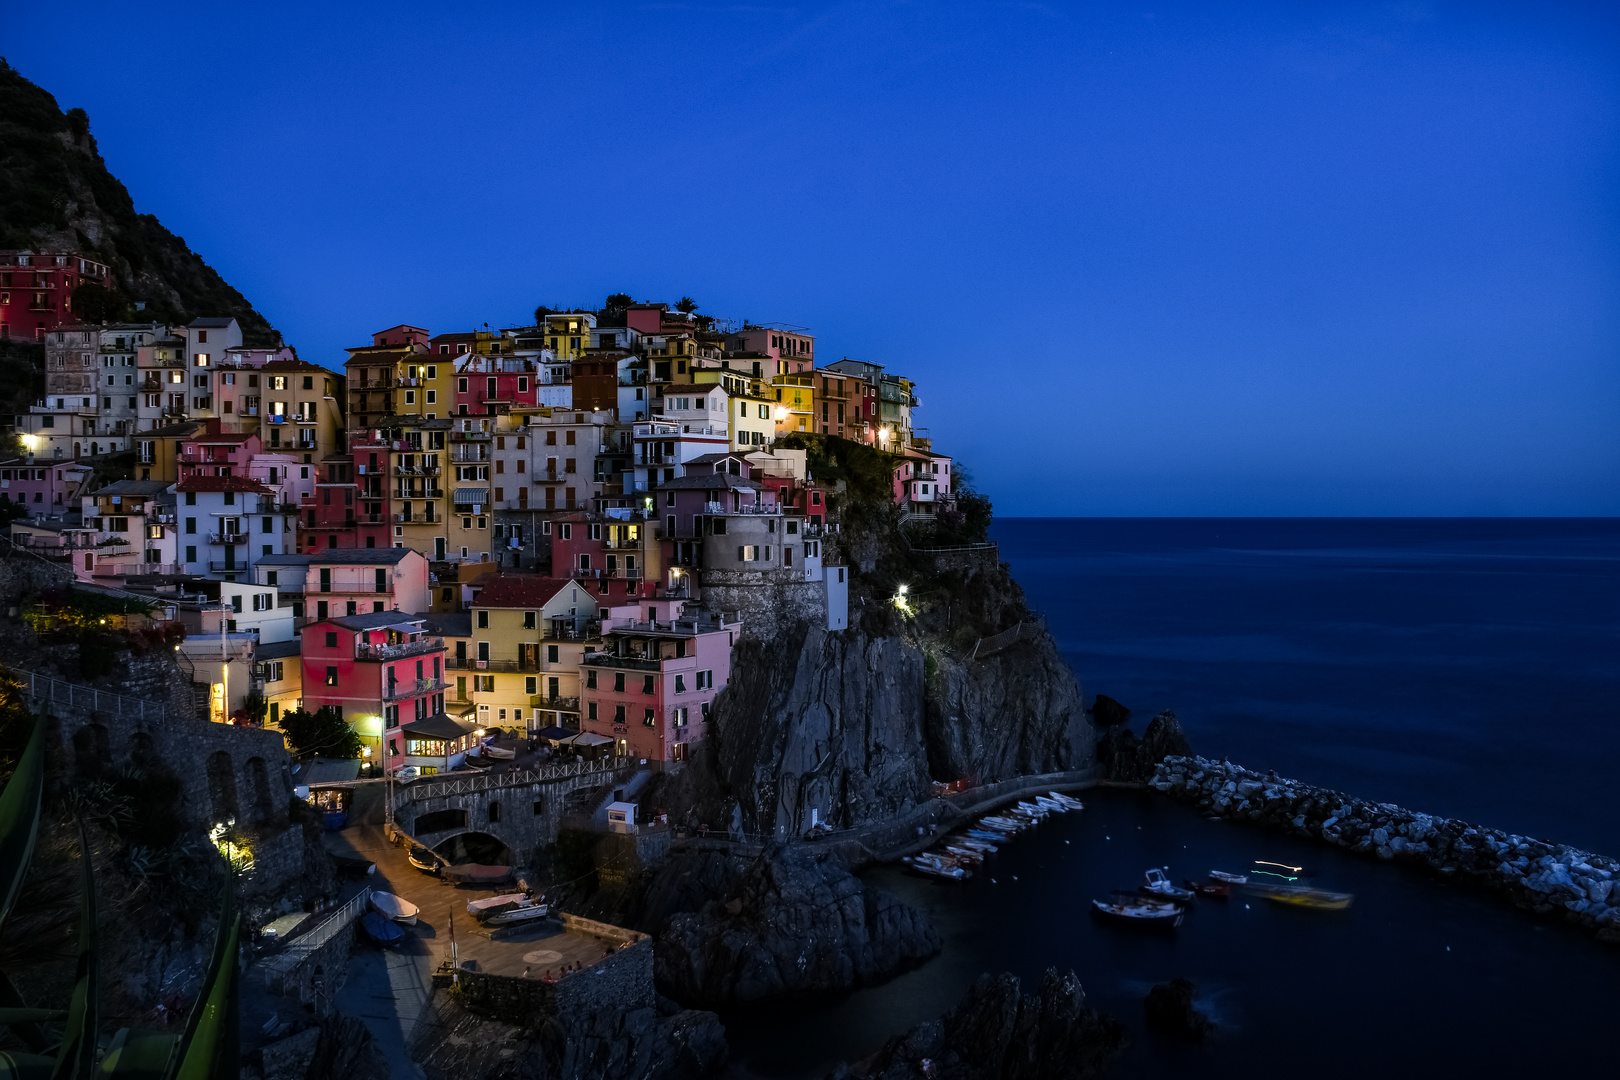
{"x": 1466, "y": 668}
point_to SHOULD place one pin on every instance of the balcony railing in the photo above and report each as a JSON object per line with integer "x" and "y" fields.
{"x": 346, "y": 590}
{"x": 412, "y": 688}
{"x": 228, "y": 538}
{"x": 228, "y": 567}
{"x": 563, "y": 704}
{"x": 462, "y": 663}
{"x": 399, "y": 650}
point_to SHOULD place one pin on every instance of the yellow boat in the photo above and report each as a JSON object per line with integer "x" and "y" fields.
{"x": 1316, "y": 899}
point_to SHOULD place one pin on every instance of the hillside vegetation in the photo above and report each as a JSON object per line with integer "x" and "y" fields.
{"x": 56, "y": 192}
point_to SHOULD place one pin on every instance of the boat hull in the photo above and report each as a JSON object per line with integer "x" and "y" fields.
{"x": 1167, "y": 918}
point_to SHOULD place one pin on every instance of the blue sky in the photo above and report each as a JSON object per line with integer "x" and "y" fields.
{"x": 1148, "y": 259}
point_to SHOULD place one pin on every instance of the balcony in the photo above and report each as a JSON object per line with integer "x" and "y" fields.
{"x": 680, "y": 628}
{"x": 461, "y": 663}
{"x": 228, "y": 567}
{"x": 562, "y": 704}
{"x": 470, "y": 435}
{"x": 327, "y": 589}
{"x": 407, "y": 519}
{"x": 399, "y": 650}
{"x": 412, "y": 688}
{"x": 231, "y": 538}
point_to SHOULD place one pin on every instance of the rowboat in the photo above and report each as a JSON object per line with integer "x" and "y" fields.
{"x": 1315, "y": 899}
{"x": 1065, "y": 801}
{"x": 962, "y": 854}
{"x": 381, "y": 929}
{"x": 987, "y": 835}
{"x": 1138, "y": 911}
{"x": 394, "y": 907}
{"x": 500, "y": 752}
{"x": 984, "y": 847}
{"x": 420, "y": 858}
{"x": 1156, "y": 883}
{"x": 1230, "y": 879}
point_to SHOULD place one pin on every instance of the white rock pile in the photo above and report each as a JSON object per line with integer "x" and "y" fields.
{"x": 1550, "y": 879}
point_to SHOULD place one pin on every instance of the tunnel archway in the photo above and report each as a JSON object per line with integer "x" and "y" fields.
{"x": 474, "y": 847}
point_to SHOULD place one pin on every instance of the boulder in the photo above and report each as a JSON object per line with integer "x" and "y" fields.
{"x": 1170, "y": 1010}
{"x": 796, "y": 923}
{"x": 1128, "y": 759}
{"x": 1106, "y": 712}
{"x": 1000, "y": 1033}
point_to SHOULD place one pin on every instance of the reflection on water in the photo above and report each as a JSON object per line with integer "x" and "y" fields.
{"x": 1409, "y": 973}
{"x": 1460, "y": 667}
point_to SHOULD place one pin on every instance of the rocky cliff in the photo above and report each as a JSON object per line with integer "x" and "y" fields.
{"x": 56, "y": 192}
{"x": 794, "y": 923}
{"x": 849, "y": 728}
{"x": 999, "y": 1032}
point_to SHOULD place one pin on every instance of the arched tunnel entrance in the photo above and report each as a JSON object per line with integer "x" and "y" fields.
{"x": 474, "y": 847}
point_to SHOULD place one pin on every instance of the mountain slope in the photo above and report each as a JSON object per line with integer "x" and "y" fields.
{"x": 56, "y": 192}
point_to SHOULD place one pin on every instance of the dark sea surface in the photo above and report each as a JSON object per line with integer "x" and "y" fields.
{"x": 1469, "y": 668}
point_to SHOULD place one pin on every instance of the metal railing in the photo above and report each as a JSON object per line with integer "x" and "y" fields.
{"x": 466, "y": 785}
{"x": 278, "y": 967}
{"x": 411, "y": 688}
{"x": 398, "y": 651}
{"x": 44, "y": 688}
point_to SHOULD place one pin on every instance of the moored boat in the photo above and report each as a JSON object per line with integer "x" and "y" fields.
{"x": 1138, "y": 911}
{"x": 1315, "y": 899}
{"x": 394, "y": 907}
{"x": 965, "y": 855}
{"x": 936, "y": 867}
{"x": 1157, "y": 883}
{"x": 381, "y": 929}
{"x": 1230, "y": 879}
{"x": 420, "y": 858}
{"x": 1211, "y": 888}
{"x": 508, "y": 908}
{"x": 1065, "y": 801}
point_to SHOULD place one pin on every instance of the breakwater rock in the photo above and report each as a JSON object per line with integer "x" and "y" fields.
{"x": 1549, "y": 879}
{"x": 1000, "y": 1033}
{"x": 792, "y": 924}
{"x": 1130, "y": 760}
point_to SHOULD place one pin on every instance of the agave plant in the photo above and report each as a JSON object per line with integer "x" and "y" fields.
{"x": 64, "y": 1044}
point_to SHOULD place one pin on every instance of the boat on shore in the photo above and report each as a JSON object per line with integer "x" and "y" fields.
{"x": 476, "y": 873}
{"x": 1132, "y": 910}
{"x": 423, "y": 860}
{"x": 508, "y": 908}
{"x": 500, "y": 753}
{"x": 381, "y": 929}
{"x": 394, "y": 907}
{"x": 1314, "y": 899}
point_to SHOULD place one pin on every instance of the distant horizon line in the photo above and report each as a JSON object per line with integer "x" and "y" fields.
{"x": 1305, "y": 517}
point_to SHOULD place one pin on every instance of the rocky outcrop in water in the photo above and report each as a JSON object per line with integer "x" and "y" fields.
{"x": 1170, "y": 1009}
{"x": 792, "y": 924}
{"x": 1127, "y": 759}
{"x": 451, "y": 1043}
{"x": 1000, "y": 1033}
{"x": 1549, "y": 879}
{"x": 1106, "y": 712}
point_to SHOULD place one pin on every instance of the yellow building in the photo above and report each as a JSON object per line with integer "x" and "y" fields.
{"x": 569, "y": 334}
{"x": 301, "y": 409}
{"x": 515, "y": 661}
{"x": 795, "y": 403}
{"x": 750, "y": 409}
{"x": 157, "y": 453}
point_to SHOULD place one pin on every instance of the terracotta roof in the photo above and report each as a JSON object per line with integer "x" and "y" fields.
{"x": 710, "y": 482}
{"x": 519, "y": 591}
{"x": 222, "y": 483}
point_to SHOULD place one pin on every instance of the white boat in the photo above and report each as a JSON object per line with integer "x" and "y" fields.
{"x": 989, "y": 836}
{"x": 1138, "y": 911}
{"x": 1230, "y": 879}
{"x": 1033, "y": 810}
{"x": 1156, "y": 883}
{"x": 1065, "y": 801}
{"x": 983, "y": 847}
{"x": 500, "y": 753}
{"x": 962, "y": 854}
{"x": 1050, "y": 805}
{"x": 1005, "y": 824}
{"x": 936, "y": 867}
{"x": 508, "y": 908}
{"x": 394, "y": 907}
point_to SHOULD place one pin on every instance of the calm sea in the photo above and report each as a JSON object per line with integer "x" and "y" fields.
{"x": 1463, "y": 667}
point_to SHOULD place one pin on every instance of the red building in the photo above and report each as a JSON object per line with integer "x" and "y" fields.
{"x": 212, "y": 452}
{"x": 492, "y": 385}
{"x": 36, "y": 289}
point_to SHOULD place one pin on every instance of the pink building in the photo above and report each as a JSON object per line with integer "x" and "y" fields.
{"x": 792, "y": 347}
{"x": 922, "y": 482}
{"x": 653, "y": 683}
{"x": 386, "y": 673}
{"x": 45, "y": 489}
{"x": 493, "y": 385}
{"x": 213, "y": 452}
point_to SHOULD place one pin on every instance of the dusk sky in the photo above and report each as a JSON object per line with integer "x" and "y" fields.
{"x": 1142, "y": 260}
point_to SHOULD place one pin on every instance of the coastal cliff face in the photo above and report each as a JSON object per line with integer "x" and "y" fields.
{"x": 793, "y": 924}
{"x": 849, "y": 728}
{"x": 999, "y": 1032}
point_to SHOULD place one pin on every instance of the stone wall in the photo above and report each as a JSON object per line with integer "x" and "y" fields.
{"x": 516, "y": 823}
{"x": 770, "y": 601}
{"x": 1549, "y": 879}
{"x": 623, "y": 980}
